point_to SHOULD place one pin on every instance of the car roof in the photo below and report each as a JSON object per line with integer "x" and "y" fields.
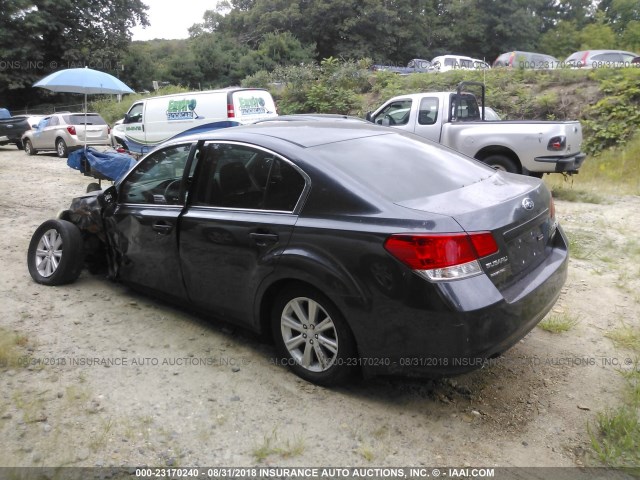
{"x": 303, "y": 133}
{"x": 598, "y": 52}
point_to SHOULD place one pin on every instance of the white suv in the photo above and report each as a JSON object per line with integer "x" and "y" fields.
{"x": 63, "y": 132}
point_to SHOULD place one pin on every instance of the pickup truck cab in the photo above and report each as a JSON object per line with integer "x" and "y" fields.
{"x": 455, "y": 120}
{"x": 12, "y": 128}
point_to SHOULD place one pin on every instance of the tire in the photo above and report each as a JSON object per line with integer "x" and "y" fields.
{"x": 28, "y": 148}
{"x": 501, "y": 162}
{"x": 93, "y": 186}
{"x": 332, "y": 359}
{"x": 61, "y": 148}
{"x": 56, "y": 253}
{"x": 20, "y": 145}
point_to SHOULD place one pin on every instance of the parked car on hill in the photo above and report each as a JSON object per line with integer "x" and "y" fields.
{"x": 444, "y": 63}
{"x": 526, "y": 60}
{"x": 600, "y": 59}
{"x": 356, "y": 247}
{"x": 417, "y": 65}
{"x": 64, "y": 132}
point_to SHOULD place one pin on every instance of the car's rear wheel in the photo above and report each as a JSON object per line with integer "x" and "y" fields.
{"x": 28, "y": 148}
{"x": 312, "y": 337}
{"x": 20, "y": 145}
{"x": 61, "y": 148}
{"x": 56, "y": 253}
{"x": 501, "y": 162}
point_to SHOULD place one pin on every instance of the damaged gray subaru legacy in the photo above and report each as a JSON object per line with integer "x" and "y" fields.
{"x": 358, "y": 248}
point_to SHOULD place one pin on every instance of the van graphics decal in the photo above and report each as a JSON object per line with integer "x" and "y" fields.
{"x": 182, "y": 110}
{"x": 253, "y": 106}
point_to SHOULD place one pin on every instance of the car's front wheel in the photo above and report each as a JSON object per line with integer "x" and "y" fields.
{"x": 28, "y": 148}
{"x": 56, "y": 253}
{"x": 312, "y": 337}
{"x": 61, "y": 148}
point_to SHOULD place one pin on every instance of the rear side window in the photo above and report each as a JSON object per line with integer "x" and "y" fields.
{"x": 401, "y": 167}
{"x": 428, "y": 113}
{"x": 243, "y": 177}
{"x": 80, "y": 119}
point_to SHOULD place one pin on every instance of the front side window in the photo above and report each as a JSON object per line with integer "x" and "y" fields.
{"x": 158, "y": 178}
{"x": 135, "y": 114}
{"x": 243, "y": 177}
{"x": 397, "y": 113}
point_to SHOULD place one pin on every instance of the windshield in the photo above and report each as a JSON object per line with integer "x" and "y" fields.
{"x": 402, "y": 167}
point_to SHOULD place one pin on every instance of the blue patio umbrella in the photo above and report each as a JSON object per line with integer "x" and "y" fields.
{"x": 83, "y": 80}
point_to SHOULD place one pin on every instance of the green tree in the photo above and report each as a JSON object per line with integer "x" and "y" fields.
{"x": 41, "y": 36}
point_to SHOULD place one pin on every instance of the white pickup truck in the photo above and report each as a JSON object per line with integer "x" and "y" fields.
{"x": 455, "y": 120}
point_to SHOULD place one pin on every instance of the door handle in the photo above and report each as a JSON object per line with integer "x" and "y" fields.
{"x": 162, "y": 227}
{"x": 263, "y": 239}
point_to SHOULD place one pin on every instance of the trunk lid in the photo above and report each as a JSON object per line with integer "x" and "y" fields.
{"x": 514, "y": 208}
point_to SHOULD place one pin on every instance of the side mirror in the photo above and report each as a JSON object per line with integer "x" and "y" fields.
{"x": 368, "y": 117}
{"x": 108, "y": 196}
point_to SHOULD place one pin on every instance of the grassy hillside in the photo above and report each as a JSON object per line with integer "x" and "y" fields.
{"x": 606, "y": 101}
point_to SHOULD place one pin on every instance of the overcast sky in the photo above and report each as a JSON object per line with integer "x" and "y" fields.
{"x": 172, "y": 19}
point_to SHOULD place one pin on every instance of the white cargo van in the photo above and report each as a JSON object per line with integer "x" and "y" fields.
{"x": 152, "y": 121}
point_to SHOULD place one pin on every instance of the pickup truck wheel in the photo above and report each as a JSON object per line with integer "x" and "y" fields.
{"x": 56, "y": 253}
{"x": 28, "y": 148}
{"x": 61, "y": 148}
{"x": 500, "y": 162}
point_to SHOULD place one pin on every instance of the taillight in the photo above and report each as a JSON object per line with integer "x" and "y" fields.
{"x": 442, "y": 256}
{"x": 230, "y": 111}
{"x": 557, "y": 144}
{"x": 108, "y": 130}
{"x": 71, "y": 129}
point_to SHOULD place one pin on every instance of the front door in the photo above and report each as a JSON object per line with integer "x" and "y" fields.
{"x": 144, "y": 225}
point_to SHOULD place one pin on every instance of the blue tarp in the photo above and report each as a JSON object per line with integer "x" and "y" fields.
{"x": 110, "y": 165}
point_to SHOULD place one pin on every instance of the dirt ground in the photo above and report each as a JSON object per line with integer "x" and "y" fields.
{"x": 187, "y": 391}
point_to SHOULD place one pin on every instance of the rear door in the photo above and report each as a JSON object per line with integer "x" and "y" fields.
{"x": 44, "y": 135}
{"x": 239, "y": 219}
{"x": 248, "y": 106}
{"x": 143, "y": 228}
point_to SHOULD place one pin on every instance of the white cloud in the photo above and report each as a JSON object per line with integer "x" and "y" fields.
{"x": 172, "y": 19}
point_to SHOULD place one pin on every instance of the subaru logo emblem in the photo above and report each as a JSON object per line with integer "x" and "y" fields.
{"x": 528, "y": 204}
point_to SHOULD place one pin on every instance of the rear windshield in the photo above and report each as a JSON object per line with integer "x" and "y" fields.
{"x": 402, "y": 168}
{"x": 79, "y": 119}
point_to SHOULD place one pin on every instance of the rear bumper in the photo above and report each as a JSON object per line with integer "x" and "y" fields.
{"x": 566, "y": 164}
{"x": 473, "y": 321}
